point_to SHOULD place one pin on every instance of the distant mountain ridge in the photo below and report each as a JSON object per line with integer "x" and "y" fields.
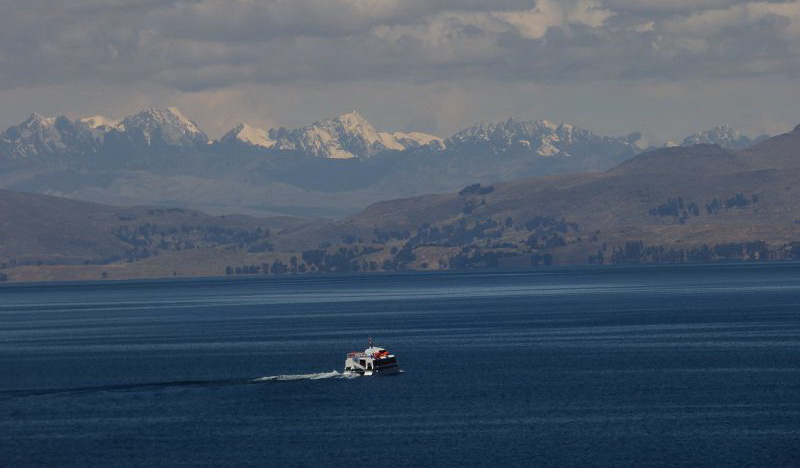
{"x": 160, "y": 156}
{"x": 725, "y": 136}
{"x": 347, "y": 136}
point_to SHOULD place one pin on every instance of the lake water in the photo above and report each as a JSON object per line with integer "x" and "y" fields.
{"x": 634, "y": 366}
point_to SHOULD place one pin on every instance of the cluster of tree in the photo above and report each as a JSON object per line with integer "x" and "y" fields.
{"x": 476, "y": 189}
{"x": 456, "y": 234}
{"x": 343, "y": 259}
{"x": 675, "y": 207}
{"x": 475, "y": 257}
{"x": 383, "y": 237}
{"x": 633, "y": 252}
{"x": 538, "y": 242}
{"x": 277, "y": 267}
{"x": 148, "y": 239}
{"x": 548, "y": 224}
{"x": 139, "y": 253}
{"x": 548, "y": 232}
{"x": 324, "y": 260}
{"x": 482, "y": 243}
{"x": 737, "y": 201}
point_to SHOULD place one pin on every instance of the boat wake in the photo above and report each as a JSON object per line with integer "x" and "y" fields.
{"x": 293, "y": 377}
{"x": 159, "y": 386}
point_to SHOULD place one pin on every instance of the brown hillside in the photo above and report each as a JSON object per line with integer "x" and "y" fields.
{"x": 680, "y": 198}
{"x": 43, "y": 229}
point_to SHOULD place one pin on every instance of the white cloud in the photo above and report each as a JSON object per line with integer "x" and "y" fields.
{"x": 534, "y": 23}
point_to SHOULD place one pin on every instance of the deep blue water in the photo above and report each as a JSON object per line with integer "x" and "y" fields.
{"x": 639, "y": 366}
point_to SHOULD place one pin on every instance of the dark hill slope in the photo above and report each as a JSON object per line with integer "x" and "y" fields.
{"x": 680, "y": 199}
{"x": 38, "y": 228}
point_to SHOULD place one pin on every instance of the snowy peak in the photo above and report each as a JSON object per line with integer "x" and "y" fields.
{"x": 723, "y": 135}
{"x": 154, "y": 118}
{"x": 345, "y": 137}
{"x": 245, "y": 134}
{"x": 353, "y": 122}
{"x": 402, "y": 141}
{"x": 348, "y": 136}
{"x": 507, "y": 132}
{"x": 40, "y": 136}
{"x": 542, "y": 137}
{"x": 168, "y": 131}
{"x": 162, "y": 128}
{"x": 188, "y": 124}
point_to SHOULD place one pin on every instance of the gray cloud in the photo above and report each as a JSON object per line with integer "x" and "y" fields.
{"x": 210, "y": 46}
{"x": 214, "y": 43}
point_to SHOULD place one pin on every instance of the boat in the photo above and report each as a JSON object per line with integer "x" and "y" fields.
{"x": 372, "y": 361}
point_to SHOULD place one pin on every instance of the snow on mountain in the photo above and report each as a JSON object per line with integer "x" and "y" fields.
{"x": 57, "y": 137}
{"x": 40, "y": 136}
{"x": 348, "y": 136}
{"x": 723, "y": 135}
{"x": 248, "y": 135}
{"x": 402, "y": 141}
{"x": 345, "y": 137}
{"x": 188, "y": 124}
{"x": 160, "y": 128}
{"x": 540, "y": 137}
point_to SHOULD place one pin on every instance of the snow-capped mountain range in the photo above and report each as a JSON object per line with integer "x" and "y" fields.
{"x": 40, "y": 136}
{"x": 540, "y": 137}
{"x": 723, "y": 135}
{"x": 164, "y": 128}
{"x": 329, "y": 168}
{"x": 348, "y": 136}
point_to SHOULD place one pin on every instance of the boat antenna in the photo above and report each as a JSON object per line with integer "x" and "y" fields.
{"x": 369, "y": 342}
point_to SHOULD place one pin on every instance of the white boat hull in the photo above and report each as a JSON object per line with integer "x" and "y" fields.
{"x": 373, "y": 361}
{"x": 367, "y": 373}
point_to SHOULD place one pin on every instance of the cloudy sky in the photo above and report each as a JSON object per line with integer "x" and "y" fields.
{"x": 665, "y": 67}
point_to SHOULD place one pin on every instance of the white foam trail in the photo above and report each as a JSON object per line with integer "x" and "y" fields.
{"x": 318, "y": 376}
